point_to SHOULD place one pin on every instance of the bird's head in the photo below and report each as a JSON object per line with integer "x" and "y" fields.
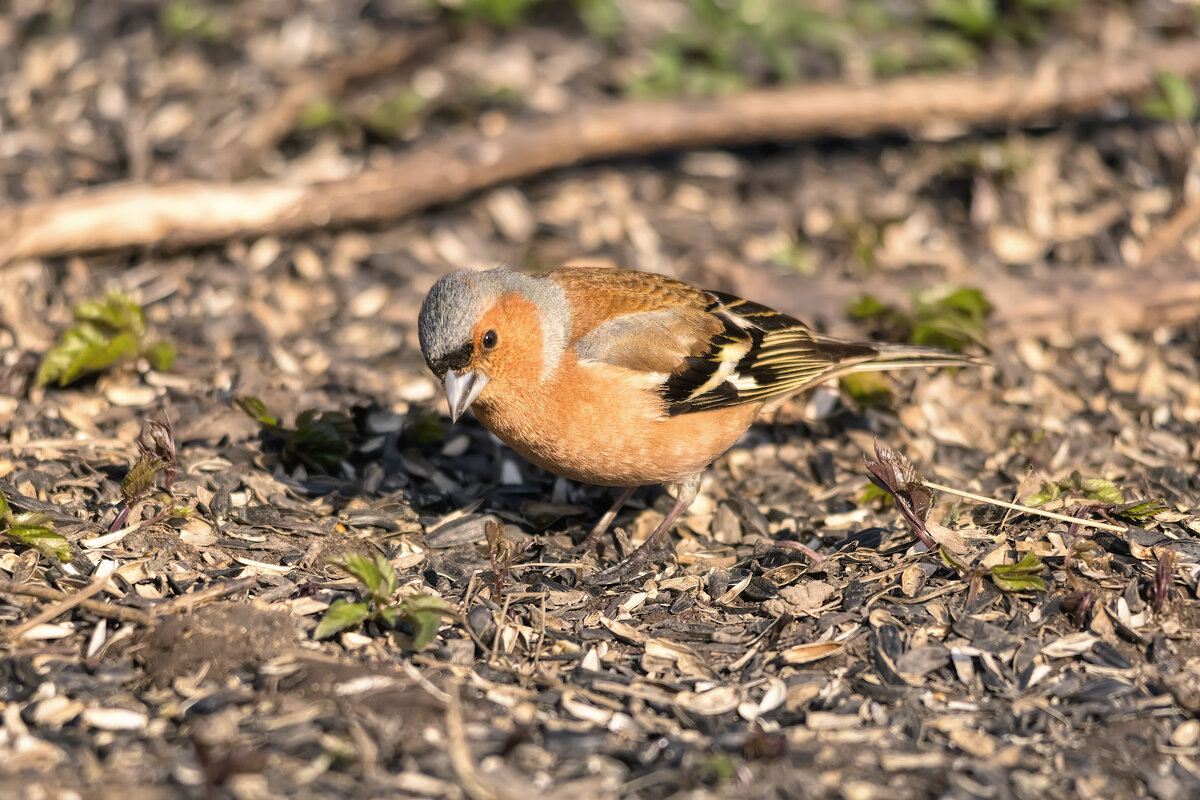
{"x": 485, "y": 334}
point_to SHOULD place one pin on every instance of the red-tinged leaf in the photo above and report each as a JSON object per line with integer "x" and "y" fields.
{"x": 894, "y": 473}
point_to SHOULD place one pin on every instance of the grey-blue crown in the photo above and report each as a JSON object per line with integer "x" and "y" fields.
{"x": 456, "y": 301}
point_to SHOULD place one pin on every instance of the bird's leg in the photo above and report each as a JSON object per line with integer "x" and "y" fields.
{"x": 593, "y": 538}
{"x": 685, "y": 495}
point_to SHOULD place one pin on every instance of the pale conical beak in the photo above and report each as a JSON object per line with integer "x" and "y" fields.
{"x": 461, "y": 391}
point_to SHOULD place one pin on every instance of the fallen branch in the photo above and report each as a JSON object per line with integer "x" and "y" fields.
{"x": 101, "y": 609}
{"x": 209, "y": 593}
{"x": 197, "y": 212}
{"x": 61, "y": 607}
{"x": 1163, "y": 240}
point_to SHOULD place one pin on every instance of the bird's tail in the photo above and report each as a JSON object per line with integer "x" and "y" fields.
{"x": 903, "y": 356}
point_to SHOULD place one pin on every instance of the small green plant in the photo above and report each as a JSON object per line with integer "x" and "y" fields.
{"x": 727, "y": 44}
{"x": 34, "y": 529}
{"x": 502, "y": 554}
{"x": 323, "y": 112}
{"x": 156, "y": 458}
{"x": 867, "y": 389}
{"x": 1176, "y": 100}
{"x": 105, "y": 332}
{"x": 392, "y": 115}
{"x": 1023, "y": 576}
{"x": 1139, "y": 511}
{"x": 421, "y": 611}
{"x": 424, "y": 426}
{"x": 948, "y": 319}
{"x": 319, "y": 441}
{"x": 975, "y": 18}
{"x": 187, "y": 19}
{"x": 1096, "y": 489}
{"x": 872, "y": 493}
{"x": 988, "y": 20}
{"x": 504, "y": 13}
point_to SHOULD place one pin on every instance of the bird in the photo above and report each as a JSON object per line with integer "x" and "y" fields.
{"x": 624, "y": 378}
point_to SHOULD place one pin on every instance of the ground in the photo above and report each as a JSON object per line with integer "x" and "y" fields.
{"x": 733, "y": 665}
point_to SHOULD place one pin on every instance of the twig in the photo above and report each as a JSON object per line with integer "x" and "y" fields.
{"x": 449, "y": 167}
{"x": 1166, "y": 237}
{"x": 112, "y": 537}
{"x": 119, "y": 445}
{"x": 214, "y": 591}
{"x": 460, "y": 751}
{"x": 1026, "y": 509}
{"x": 108, "y": 610}
{"x": 788, "y": 544}
{"x": 62, "y": 606}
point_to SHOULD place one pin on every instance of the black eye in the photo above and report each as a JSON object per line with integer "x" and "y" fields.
{"x": 489, "y": 340}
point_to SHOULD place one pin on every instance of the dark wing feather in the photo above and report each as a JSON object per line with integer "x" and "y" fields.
{"x": 759, "y": 354}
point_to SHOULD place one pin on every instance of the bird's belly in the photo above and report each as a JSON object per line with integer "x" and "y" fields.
{"x": 614, "y": 444}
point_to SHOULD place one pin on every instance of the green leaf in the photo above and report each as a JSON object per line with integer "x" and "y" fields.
{"x": 953, "y": 562}
{"x": 186, "y": 19}
{"x": 867, "y": 306}
{"x": 320, "y": 113}
{"x": 603, "y": 18}
{"x": 37, "y": 531}
{"x": 870, "y": 493}
{"x": 393, "y": 115}
{"x": 969, "y": 301}
{"x": 65, "y": 362}
{"x": 391, "y": 581}
{"x": 424, "y": 612}
{"x": 867, "y": 388}
{"x": 1020, "y": 577}
{"x": 425, "y": 427}
{"x": 1177, "y": 101}
{"x": 424, "y": 602}
{"x": 340, "y": 616}
{"x": 504, "y": 13}
{"x": 976, "y": 18}
{"x": 161, "y": 356}
{"x": 141, "y": 478}
{"x": 320, "y": 441}
{"x": 1140, "y": 511}
{"x": 4, "y": 512}
{"x": 106, "y": 331}
{"x": 366, "y": 570}
{"x": 1050, "y": 491}
{"x": 1102, "y": 490}
{"x": 116, "y": 312}
{"x": 1019, "y": 583}
{"x": 257, "y": 410}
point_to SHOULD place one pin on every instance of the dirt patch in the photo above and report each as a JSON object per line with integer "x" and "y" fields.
{"x": 213, "y": 642}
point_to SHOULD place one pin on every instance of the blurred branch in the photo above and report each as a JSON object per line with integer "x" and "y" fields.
{"x": 447, "y": 168}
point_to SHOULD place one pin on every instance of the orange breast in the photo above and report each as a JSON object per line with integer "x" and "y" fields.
{"x": 605, "y": 425}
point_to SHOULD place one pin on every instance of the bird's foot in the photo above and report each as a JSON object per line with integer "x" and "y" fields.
{"x": 632, "y": 565}
{"x": 592, "y": 540}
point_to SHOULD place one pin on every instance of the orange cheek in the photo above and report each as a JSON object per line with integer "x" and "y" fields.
{"x": 518, "y": 354}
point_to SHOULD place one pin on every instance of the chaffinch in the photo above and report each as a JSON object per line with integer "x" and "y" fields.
{"x": 625, "y": 378}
